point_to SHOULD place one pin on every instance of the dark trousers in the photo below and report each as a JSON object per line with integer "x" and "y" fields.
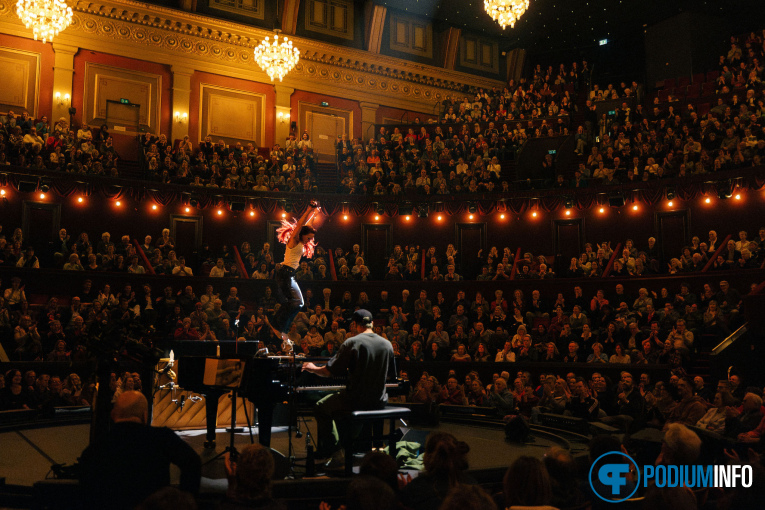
{"x": 288, "y": 296}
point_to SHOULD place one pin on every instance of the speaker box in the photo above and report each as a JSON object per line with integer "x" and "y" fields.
{"x": 616, "y": 201}
{"x": 237, "y": 206}
{"x": 27, "y": 186}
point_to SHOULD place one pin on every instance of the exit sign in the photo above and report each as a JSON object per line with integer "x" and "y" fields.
{"x": 124, "y": 101}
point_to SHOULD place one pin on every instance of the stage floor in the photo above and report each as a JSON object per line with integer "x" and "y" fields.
{"x": 28, "y": 454}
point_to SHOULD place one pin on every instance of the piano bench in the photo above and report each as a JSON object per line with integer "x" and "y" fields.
{"x": 377, "y": 416}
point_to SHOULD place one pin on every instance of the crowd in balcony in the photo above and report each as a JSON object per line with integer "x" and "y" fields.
{"x": 219, "y": 165}
{"x": 672, "y": 140}
{"x": 37, "y": 144}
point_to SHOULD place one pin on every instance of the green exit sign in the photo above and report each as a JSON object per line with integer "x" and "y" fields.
{"x": 124, "y": 101}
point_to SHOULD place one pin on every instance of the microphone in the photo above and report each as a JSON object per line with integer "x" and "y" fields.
{"x": 182, "y": 402}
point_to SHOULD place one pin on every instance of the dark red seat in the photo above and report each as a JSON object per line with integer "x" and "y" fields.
{"x": 693, "y": 91}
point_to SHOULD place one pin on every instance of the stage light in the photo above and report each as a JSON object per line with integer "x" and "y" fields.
{"x": 568, "y": 213}
{"x": 407, "y": 218}
{"x": 601, "y": 210}
{"x": 439, "y": 217}
{"x": 671, "y": 203}
{"x": 2, "y": 193}
{"x": 534, "y": 214}
{"x": 345, "y": 217}
{"x": 470, "y": 217}
{"x": 154, "y": 207}
{"x": 724, "y": 190}
{"x": 501, "y": 216}
{"x": 708, "y": 200}
{"x": 220, "y": 212}
{"x": 119, "y": 203}
{"x": 252, "y": 213}
{"x": 42, "y": 196}
{"x": 738, "y": 196}
{"x": 188, "y": 210}
{"x": 635, "y": 207}
{"x": 79, "y": 199}
{"x": 377, "y": 218}
{"x": 284, "y": 215}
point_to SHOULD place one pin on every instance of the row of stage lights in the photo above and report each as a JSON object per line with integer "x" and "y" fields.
{"x": 407, "y": 217}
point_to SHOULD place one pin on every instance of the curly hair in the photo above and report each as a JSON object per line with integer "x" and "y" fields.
{"x": 445, "y": 456}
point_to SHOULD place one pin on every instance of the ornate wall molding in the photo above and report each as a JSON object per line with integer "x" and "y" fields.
{"x": 171, "y": 36}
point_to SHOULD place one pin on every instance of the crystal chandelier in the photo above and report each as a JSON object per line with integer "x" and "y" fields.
{"x": 46, "y": 17}
{"x": 276, "y": 58}
{"x": 506, "y": 12}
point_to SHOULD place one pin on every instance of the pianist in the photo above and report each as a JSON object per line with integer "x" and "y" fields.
{"x": 367, "y": 361}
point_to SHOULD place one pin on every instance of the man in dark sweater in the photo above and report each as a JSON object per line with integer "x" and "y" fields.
{"x": 131, "y": 461}
{"x": 630, "y": 404}
{"x": 368, "y": 362}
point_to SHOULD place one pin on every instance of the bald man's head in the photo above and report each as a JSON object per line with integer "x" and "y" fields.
{"x": 131, "y": 406}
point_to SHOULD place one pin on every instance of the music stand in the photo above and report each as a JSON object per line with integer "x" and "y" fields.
{"x": 227, "y": 375}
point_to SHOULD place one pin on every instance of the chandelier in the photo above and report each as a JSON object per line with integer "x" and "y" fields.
{"x": 276, "y": 58}
{"x": 46, "y": 17}
{"x": 506, "y": 12}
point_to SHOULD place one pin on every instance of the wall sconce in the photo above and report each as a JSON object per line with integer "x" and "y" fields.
{"x": 63, "y": 101}
{"x": 181, "y": 117}
{"x": 283, "y": 117}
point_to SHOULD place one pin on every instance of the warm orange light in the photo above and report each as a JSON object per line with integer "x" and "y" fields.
{"x": 671, "y": 203}
{"x": 154, "y": 207}
{"x": 284, "y": 215}
{"x": 345, "y": 217}
{"x": 188, "y": 210}
{"x": 634, "y": 207}
{"x": 42, "y": 196}
{"x": 470, "y": 217}
{"x": 568, "y": 213}
{"x": 501, "y": 216}
{"x": 2, "y": 192}
{"x": 708, "y": 200}
{"x": 407, "y": 218}
{"x": 79, "y": 200}
{"x": 534, "y": 214}
{"x": 377, "y": 218}
{"x": 738, "y": 196}
{"x": 601, "y": 210}
{"x": 220, "y": 212}
{"x": 119, "y": 203}
{"x": 252, "y": 213}
{"x": 439, "y": 217}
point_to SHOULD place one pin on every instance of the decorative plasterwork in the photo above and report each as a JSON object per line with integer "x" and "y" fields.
{"x": 204, "y": 39}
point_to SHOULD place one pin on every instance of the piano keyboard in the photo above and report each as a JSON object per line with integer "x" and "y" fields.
{"x": 333, "y": 388}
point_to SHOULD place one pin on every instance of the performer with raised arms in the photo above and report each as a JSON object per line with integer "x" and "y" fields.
{"x": 299, "y": 238}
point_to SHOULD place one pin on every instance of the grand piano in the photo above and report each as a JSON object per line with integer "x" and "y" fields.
{"x": 264, "y": 381}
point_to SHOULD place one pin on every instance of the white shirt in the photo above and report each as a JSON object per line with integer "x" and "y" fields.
{"x": 292, "y": 256}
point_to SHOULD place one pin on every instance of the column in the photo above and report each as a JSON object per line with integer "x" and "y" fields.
{"x": 181, "y": 102}
{"x": 63, "y": 73}
{"x": 283, "y": 116}
{"x": 374, "y": 24}
{"x": 368, "y": 119}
